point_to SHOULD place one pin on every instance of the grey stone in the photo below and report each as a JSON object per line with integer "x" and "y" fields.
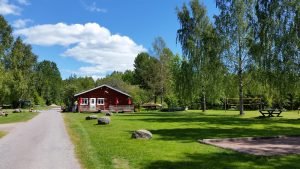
{"x": 3, "y": 113}
{"x": 141, "y": 134}
{"x": 108, "y": 114}
{"x": 103, "y": 120}
{"x": 17, "y": 111}
{"x": 91, "y": 117}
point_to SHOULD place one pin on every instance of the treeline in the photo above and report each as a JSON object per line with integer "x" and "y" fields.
{"x": 250, "y": 51}
{"x": 24, "y": 80}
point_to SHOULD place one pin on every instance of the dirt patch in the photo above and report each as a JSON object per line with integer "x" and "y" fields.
{"x": 264, "y": 146}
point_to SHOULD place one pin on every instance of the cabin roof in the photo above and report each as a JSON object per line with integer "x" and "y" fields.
{"x": 104, "y": 85}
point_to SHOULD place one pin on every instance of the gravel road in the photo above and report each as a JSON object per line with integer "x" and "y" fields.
{"x": 41, "y": 143}
{"x": 9, "y": 126}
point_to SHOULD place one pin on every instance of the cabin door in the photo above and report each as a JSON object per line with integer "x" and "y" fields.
{"x": 93, "y": 104}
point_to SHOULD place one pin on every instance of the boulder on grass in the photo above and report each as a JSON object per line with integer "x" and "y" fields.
{"x": 103, "y": 120}
{"x": 141, "y": 134}
{"x": 108, "y": 114}
{"x": 3, "y": 113}
{"x": 17, "y": 111}
{"x": 91, "y": 117}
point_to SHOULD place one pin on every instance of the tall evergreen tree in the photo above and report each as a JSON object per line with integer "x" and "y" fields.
{"x": 146, "y": 73}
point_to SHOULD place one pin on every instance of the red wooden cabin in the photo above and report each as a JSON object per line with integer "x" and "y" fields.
{"x": 104, "y": 97}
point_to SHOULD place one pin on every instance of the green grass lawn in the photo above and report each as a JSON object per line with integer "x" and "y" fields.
{"x": 174, "y": 144}
{"x": 17, "y": 117}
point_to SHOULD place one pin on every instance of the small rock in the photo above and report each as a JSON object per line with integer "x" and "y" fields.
{"x": 17, "y": 111}
{"x": 108, "y": 114}
{"x": 3, "y": 114}
{"x": 104, "y": 120}
{"x": 141, "y": 134}
{"x": 91, "y": 117}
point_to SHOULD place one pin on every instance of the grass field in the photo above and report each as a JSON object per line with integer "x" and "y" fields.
{"x": 174, "y": 144}
{"x": 17, "y": 117}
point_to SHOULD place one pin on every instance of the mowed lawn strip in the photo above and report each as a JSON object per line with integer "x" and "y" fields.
{"x": 174, "y": 143}
{"x": 17, "y": 117}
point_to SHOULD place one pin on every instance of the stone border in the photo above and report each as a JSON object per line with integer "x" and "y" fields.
{"x": 208, "y": 141}
{"x": 214, "y": 142}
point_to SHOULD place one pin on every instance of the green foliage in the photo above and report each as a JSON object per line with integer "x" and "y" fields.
{"x": 171, "y": 100}
{"x": 233, "y": 25}
{"x": 115, "y": 80}
{"x": 22, "y": 78}
{"x": 20, "y": 63}
{"x": 202, "y": 67}
{"x": 275, "y": 49}
{"x": 128, "y": 77}
{"x": 6, "y": 37}
{"x": 38, "y": 100}
{"x": 4, "y": 89}
{"x": 69, "y": 91}
{"x": 145, "y": 69}
{"x": 154, "y": 73}
{"x": 251, "y": 50}
{"x": 48, "y": 82}
{"x": 82, "y": 83}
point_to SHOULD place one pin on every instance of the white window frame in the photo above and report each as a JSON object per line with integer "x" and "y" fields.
{"x": 99, "y": 103}
{"x": 85, "y": 101}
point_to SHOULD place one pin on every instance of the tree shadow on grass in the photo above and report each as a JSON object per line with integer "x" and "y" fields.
{"x": 227, "y": 161}
{"x": 194, "y": 134}
{"x": 191, "y": 128}
{"x": 218, "y": 120}
{"x": 159, "y": 114}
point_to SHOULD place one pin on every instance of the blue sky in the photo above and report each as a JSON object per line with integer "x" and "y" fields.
{"x": 94, "y": 37}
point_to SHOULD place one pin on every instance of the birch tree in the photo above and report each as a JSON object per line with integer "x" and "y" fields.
{"x": 233, "y": 24}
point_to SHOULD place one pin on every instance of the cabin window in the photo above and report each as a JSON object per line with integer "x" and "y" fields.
{"x": 85, "y": 101}
{"x": 100, "y": 101}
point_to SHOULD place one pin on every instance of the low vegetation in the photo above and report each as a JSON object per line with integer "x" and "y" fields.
{"x": 17, "y": 117}
{"x": 174, "y": 143}
{"x": 2, "y": 133}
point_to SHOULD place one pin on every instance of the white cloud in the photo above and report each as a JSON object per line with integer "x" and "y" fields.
{"x": 95, "y": 77}
{"x": 94, "y": 8}
{"x": 21, "y": 23}
{"x": 7, "y": 8}
{"x": 24, "y": 2}
{"x": 89, "y": 43}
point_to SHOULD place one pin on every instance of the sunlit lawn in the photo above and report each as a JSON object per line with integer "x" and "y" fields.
{"x": 174, "y": 144}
